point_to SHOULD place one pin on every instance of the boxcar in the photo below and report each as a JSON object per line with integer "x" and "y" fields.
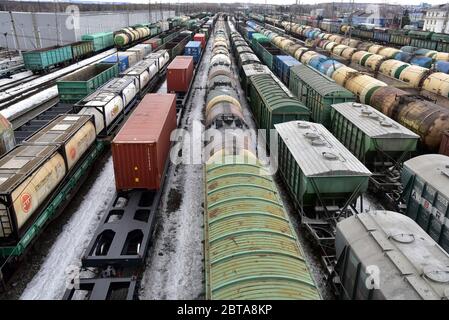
{"x": 82, "y": 49}
{"x": 247, "y": 72}
{"x": 426, "y": 194}
{"x": 317, "y": 92}
{"x": 442, "y": 41}
{"x": 75, "y": 86}
{"x": 282, "y": 66}
{"x": 422, "y": 39}
{"x": 411, "y": 265}
{"x": 251, "y": 249}
{"x": 270, "y": 104}
{"x": 370, "y": 135}
{"x": 317, "y": 169}
{"x": 43, "y": 59}
{"x": 101, "y": 40}
{"x": 382, "y": 35}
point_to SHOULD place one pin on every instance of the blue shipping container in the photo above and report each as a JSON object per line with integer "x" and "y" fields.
{"x": 282, "y": 65}
{"x": 193, "y": 48}
{"x": 123, "y": 62}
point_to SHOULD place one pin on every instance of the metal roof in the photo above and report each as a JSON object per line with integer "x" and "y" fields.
{"x": 434, "y": 169}
{"x": 411, "y": 263}
{"x": 319, "y": 82}
{"x": 251, "y": 249}
{"x": 257, "y": 68}
{"x": 372, "y": 122}
{"x": 275, "y": 96}
{"x": 317, "y": 151}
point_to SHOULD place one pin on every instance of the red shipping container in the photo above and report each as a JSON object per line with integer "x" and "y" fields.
{"x": 155, "y": 42}
{"x": 201, "y": 37}
{"x": 180, "y": 74}
{"x": 444, "y": 146}
{"x": 141, "y": 148}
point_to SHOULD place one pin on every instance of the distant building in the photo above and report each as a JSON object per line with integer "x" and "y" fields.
{"x": 437, "y": 19}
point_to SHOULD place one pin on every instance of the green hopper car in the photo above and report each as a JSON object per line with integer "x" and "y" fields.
{"x": 317, "y": 92}
{"x": 251, "y": 248}
{"x": 82, "y": 49}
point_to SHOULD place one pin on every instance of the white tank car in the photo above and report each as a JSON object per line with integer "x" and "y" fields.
{"x": 28, "y": 174}
{"x": 75, "y": 133}
{"x": 142, "y": 72}
{"x": 104, "y": 106}
{"x": 127, "y": 88}
{"x": 161, "y": 56}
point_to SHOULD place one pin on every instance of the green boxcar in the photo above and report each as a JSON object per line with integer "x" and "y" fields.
{"x": 271, "y": 104}
{"x": 317, "y": 92}
{"x": 45, "y": 58}
{"x": 250, "y": 247}
{"x": 317, "y": 168}
{"x": 82, "y": 49}
{"x": 370, "y": 135}
{"x": 426, "y": 194}
{"x": 442, "y": 41}
{"x": 101, "y": 40}
{"x": 75, "y": 86}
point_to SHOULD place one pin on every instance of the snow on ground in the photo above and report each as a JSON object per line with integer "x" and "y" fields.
{"x": 16, "y": 77}
{"x": 23, "y": 87}
{"x": 175, "y": 266}
{"x": 49, "y": 282}
{"x": 30, "y": 102}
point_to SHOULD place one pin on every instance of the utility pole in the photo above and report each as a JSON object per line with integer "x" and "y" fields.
{"x": 56, "y": 22}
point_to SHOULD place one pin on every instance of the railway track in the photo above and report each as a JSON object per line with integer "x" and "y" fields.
{"x": 29, "y": 91}
{"x": 17, "y": 82}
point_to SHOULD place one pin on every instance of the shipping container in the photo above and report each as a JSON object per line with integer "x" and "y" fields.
{"x": 426, "y": 194}
{"x": 75, "y": 86}
{"x": 122, "y": 61}
{"x": 154, "y": 42}
{"x": 45, "y": 58}
{"x": 193, "y": 48}
{"x": 317, "y": 92}
{"x": 201, "y": 38}
{"x": 74, "y": 133}
{"x": 180, "y": 74}
{"x": 126, "y": 87}
{"x": 132, "y": 57}
{"x": 29, "y": 175}
{"x": 145, "y": 72}
{"x": 140, "y": 151}
{"x": 282, "y": 66}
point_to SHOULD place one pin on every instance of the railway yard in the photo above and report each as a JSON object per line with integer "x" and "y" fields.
{"x": 226, "y": 156}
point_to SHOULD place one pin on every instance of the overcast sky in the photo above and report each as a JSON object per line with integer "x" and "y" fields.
{"x": 413, "y": 2}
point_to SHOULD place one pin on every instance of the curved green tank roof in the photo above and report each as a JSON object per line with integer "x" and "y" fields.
{"x": 251, "y": 250}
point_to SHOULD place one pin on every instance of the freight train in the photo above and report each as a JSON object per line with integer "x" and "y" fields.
{"x": 44, "y": 59}
{"x": 52, "y": 162}
{"x": 421, "y": 116}
{"x": 112, "y": 262}
{"x": 400, "y": 37}
{"x": 251, "y": 250}
{"x": 324, "y": 173}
